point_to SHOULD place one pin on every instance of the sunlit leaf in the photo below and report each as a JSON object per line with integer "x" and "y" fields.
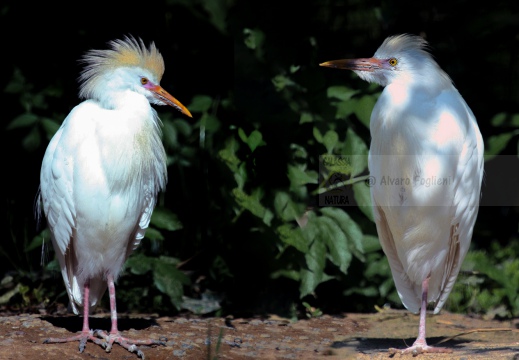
{"x": 358, "y": 150}
{"x": 254, "y": 140}
{"x": 330, "y": 140}
{"x": 362, "y": 195}
{"x": 293, "y": 236}
{"x": 253, "y": 204}
{"x": 285, "y": 207}
{"x": 351, "y": 230}
{"x": 340, "y": 92}
{"x": 336, "y": 241}
{"x": 317, "y": 135}
{"x": 299, "y": 176}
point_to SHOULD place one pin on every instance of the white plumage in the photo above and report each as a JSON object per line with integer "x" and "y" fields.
{"x": 426, "y": 159}
{"x": 102, "y": 171}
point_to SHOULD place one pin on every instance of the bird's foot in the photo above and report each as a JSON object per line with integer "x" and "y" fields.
{"x": 82, "y": 337}
{"x": 128, "y": 344}
{"x": 419, "y": 347}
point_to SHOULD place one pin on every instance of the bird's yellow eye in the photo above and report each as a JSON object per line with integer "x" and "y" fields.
{"x": 393, "y": 62}
{"x": 144, "y": 80}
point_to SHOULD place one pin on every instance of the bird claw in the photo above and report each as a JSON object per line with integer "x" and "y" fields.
{"x": 131, "y": 345}
{"x": 416, "y": 350}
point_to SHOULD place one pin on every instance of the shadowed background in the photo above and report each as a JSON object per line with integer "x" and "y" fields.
{"x": 225, "y": 238}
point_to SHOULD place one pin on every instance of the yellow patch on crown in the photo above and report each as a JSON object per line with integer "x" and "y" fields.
{"x": 128, "y": 52}
{"x": 133, "y": 53}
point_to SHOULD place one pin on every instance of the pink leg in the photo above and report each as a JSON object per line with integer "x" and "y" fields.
{"x": 115, "y": 336}
{"x": 85, "y": 334}
{"x": 420, "y": 345}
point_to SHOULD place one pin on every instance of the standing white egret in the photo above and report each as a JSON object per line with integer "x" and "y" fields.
{"x": 101, "y": 174}
{"x": 426, "y": 163}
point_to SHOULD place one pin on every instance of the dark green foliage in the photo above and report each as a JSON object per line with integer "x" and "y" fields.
{"x": 242, "y": 228}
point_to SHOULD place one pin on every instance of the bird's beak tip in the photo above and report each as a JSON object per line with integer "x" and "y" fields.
{"x": 188, "y": 113}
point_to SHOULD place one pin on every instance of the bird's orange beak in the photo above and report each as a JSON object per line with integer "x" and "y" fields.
{"x": 365, "y": 64}
{"x": 167, "y": 98}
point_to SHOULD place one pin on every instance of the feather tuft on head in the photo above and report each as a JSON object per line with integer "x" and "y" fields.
{"x": 129, "y": 52}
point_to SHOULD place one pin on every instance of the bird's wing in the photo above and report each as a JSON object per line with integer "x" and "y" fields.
{"x": 56, "y": 197}
{"x": 469, "y": 174}
{"x": 403, "y": 284}
{"x": 144, "y": 221}
{"x": 56, "y": 193}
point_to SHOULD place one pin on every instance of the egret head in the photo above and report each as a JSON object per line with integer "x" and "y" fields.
{"x": 401, "y": 57}
{"x": 127, "y": 65}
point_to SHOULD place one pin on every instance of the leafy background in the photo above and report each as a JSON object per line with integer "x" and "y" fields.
{"x": 240, "y": 229}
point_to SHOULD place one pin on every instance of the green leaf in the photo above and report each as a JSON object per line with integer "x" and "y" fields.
{"x": 170, "y": 135}
{"x": 336, "y": 241}
{"x": 498, "y": 119}
{"x": 139, "y": 264}
{"x": 50, "y": 126}
{"x": 293, "y": 236}
{"x": 165, "y": 219}
{"x": 306, "y": 118}
{"x": 351, "y": 230}
{"x": 17, "y": 83}
{"x": 285, "y": 207}
{"x": 32, "y": 140}
{"x": 228, "y": 154}
{"x": 344, "y": 108}
{"x": 362, "y": 195}
{"x": 330, "y": 140}
{"x": 183, "y": 127}
{"x": 503, "y": 119}
{"x": 496, "y": 144}
{"x": 340, "y": 92}
{"x": 153, "y": 234}
{"x": 242, "y": 135}
{"x": 23, "y": 120}
{"x": 371, "y": 244}
{"x": 289, "y": 274}
{"x": 217, "y": 11}
{"x": 38, "y": 240}
{"x": 299, "y": 176}
{"x": 254, "y": 38}
{"x": 314, "y": 274}
{"x": 253, "y": 204}
{"x": 169, "y": 280}
{"x": 364, "y": 107}
{"x": 317, "y": 135}
{"x": 210, "y": 123}
{"x": 358, "y": 150}
{"x": 254, "y": 140}
{"x": 282, "y": 81}
{"x": 200, "y": 103}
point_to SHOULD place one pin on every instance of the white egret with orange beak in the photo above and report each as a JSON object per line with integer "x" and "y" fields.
{"x": 426, "y": 167}
{"x": 101, "y": 174}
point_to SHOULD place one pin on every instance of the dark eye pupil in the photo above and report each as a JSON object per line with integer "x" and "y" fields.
{"x": 144, "y": 81}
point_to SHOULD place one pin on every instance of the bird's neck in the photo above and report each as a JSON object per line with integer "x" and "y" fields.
{"x": 120, "y": 100}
